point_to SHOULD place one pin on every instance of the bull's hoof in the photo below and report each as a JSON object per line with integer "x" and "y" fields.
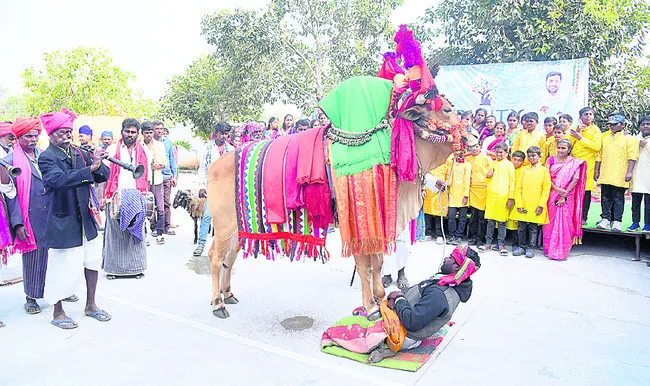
{"x": 221, "y": 313}
{"x": 374, "y": 316}
{"x": 231, "y": 300}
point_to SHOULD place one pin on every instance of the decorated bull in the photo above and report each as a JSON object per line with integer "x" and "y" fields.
{"x": 366, "y": 170}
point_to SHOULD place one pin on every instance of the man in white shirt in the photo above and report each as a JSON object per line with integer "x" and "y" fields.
{"x": 157, "y": 162}
{"x": 213, "y": 150}
{"x": 7, "y": 139}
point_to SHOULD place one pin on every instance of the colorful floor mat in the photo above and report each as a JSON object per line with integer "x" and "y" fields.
{"x": 409, "y": 360}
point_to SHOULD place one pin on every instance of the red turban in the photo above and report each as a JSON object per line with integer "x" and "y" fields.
{"x": 55, "y": 121}
{"x": 5, "y": 129}
{"x": 23, "y": 125}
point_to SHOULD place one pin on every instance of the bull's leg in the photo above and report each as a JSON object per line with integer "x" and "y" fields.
{"x": 363, "y": 268}
{"x": 377, "y": 286}
{"x": 231, "y": 257}
{"x": 216, "y": 261}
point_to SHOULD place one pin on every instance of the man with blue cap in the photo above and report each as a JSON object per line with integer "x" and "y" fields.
{"x": 85, "y": 136}
{"x": 614, "y": 165}
{"x": 106, "y": 139}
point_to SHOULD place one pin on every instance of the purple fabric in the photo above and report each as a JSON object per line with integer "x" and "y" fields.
{"x": 133, "y": 213}
{"x": 5, "y": 235}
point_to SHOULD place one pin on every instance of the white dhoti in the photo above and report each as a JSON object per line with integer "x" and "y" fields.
{"x": 65, "y": 268}
{"x": 398, "y": 259}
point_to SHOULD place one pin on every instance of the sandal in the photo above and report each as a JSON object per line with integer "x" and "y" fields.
{"x": 102, "y": 316}
{"x": 171, "y": 232}
{"x": 65, "y": 324}
{"x": 2, "y": 324}
{"x": 199, "y": 250}
{"x": 71, "y": 299}
{"x": 31, "y": 304}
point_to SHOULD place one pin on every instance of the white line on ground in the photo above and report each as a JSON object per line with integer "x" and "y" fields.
{"x": 252, "y": 343}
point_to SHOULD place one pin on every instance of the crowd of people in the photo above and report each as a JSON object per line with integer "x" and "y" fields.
{"x": 538, "y": 182}
{"x": 534, "y": 181}
{"x": 51, "y": 211}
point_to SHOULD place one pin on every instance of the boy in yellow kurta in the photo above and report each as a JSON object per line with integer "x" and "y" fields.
{"x": 531, "y": 196}
{"x": 458, "y": 175}
{"x": 551, "y": 144}
{"x": 517, "y": 160}
{"x": 530, "y": 136}
{"x": 586, "y": 139}
{"x": 500, "y": 199}
{"x": 481, "y": 164}
{"x": 433, "y": 212}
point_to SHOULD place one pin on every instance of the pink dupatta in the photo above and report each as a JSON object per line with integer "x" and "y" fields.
{"x": 23, "y": 187}
{"x": 493, "y": 144}
{"x": 565, "y": 222}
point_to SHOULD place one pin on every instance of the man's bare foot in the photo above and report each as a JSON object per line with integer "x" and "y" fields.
{"x": 386, "y": 281}
{"x": 380, "y": 353}
{"x": 402, "y": 281}
{"x": 31, "y": 307}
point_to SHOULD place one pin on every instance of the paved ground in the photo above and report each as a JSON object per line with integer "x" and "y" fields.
{"x": 585, "y": 321}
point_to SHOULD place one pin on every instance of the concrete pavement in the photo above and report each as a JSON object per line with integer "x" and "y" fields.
{"x": 585, "y": 321}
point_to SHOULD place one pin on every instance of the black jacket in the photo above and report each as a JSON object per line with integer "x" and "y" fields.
{"x": 431, "y": 305}
{"x": 68, "y": 179}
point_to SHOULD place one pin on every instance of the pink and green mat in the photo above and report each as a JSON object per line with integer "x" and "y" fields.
{"x": 355, "y": 334}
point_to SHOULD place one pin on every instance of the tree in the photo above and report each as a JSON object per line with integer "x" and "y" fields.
{"x": 202, "y": 97}
{"x": 86, "y": 81}
{"x": 298, "y": 50}
{"x": 610, "y": 33}
{"x": 12, "y": 106}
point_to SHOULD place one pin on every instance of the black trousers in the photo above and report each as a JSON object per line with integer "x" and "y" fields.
{"x": 636, "y": 208}
{"x": 501, "y": 232}
{"x": 527, "y": 234}
{"x": 612, "y": 202}
{"x": 477, "y": 224}
{"x": 433, "y": 226}
{"x": 457, "y": 226}
{"x": 586, "y": 204}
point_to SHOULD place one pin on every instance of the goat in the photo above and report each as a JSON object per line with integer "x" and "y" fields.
{"x": 194, "y": 205}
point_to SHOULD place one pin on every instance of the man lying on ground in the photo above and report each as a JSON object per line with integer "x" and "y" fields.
{"x": 428, "y": 306}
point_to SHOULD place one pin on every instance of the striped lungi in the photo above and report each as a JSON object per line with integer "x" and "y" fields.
{"x": 34, "y": 269}
{"x": 122, "y": 255}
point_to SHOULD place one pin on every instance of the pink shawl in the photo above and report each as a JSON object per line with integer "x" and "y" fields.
{"x": 402, "y": 156}
{"x": 5, "y": 234}
{"x": 313, "y": 178}
{"x": 23, "y": 187}
{"x": 273, "y": 177}
{"x": 492, "y": 145}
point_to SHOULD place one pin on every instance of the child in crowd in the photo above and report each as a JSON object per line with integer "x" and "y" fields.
{"x": 549, "y": 125}
{"x": 586, "y": 139}
{"x": 458, "y": 174}
{"x": 500, "y": 199}
{"x": 491, "y": 141}
{"x": 488, "y": 130}
{"x": 551, "y": 143}
{"x": 566, "y": 121}
{"x": 236, "y": 140}
{"x": 641, "y": 179}
{"x": 479, "y": 121}
{"x": 531, "y": 196}
{"x": 529, "y": 136}
{"x": 517, "y": 160}
{"x": 513, "y": 128}
{"x": 466, "y": 119}
{"x": 481, "y": 164}
{"x": 435, "y": 208}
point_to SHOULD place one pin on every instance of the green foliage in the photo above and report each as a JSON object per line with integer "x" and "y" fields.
{"x": 202, "y": 97}
{"x": 611, "y": 33}
{"x": 183, "y": 144}
{"x": 297, "y": 50}
{"x": 12, "y": 106}
{"x": 86, "y": 81}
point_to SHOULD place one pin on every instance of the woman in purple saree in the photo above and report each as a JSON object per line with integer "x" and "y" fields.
{"x": 568, "y": 179}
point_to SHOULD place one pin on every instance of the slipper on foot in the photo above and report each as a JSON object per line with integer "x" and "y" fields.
{"x": 102, "y": 316}
{"x": 71, "y": 299}
{"x": 2, "y": 324}
{"x": 65, "y": 324}
{"x": 36, "y": 308}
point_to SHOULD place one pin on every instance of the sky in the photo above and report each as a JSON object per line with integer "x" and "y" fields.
{"x": 153, "y": 40}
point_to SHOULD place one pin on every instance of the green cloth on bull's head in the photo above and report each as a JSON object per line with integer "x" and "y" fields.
{"x": 357, "y": 105}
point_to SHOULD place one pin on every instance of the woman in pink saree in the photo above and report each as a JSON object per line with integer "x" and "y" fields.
{"x": 568, "y": 179}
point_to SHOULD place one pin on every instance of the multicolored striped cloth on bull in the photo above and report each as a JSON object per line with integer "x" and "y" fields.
{"x": 295, "y": 237}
